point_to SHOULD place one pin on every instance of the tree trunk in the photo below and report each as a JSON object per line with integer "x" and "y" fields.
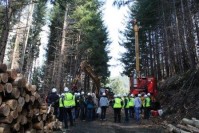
{"x": 5, "y": 31}
{"x": 62, "y": 55}
{"x": 28, "y": 25}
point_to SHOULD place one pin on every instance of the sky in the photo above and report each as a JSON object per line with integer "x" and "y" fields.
{"x": 114, "y": 20}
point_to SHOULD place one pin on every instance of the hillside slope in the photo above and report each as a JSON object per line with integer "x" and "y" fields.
{"x": 179, "y": 96}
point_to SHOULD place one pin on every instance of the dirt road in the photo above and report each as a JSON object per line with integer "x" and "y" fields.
{"x": 108, "y": 126}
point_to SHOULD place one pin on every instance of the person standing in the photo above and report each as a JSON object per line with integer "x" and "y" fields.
{"x": 138, "y": 104}
{"x": 53, "y": 100}
{"x": 89, "y": 107}
{"x": 131, "y": 106}
{"x": 82, "y": 106}
{"x": 147, "y": 106}
{"x": 126, "y": 107}
{"x": 61, "y": 108}
{"x": 104, "y": 103}
{"x": 68, "y": 104}
{"x": 117, "y": 106}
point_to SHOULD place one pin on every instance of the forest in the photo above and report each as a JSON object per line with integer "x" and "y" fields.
{"x": 75, "y": 33}
{"x": 168, "y": 39}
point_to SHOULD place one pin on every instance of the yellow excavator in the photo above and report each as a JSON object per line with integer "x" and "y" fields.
{"x": 85, "y": 67}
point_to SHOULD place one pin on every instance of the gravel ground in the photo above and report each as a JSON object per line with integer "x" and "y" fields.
{"x": 108, "y": 126}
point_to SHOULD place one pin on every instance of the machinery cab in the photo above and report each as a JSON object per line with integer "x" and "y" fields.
{"x": 143, "y": 84}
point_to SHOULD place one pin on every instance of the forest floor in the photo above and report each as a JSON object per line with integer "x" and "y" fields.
{"x": 108, "y": 126}
{"x": 179, "y": 97}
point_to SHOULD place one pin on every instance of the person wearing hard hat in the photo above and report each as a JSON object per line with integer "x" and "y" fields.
{"x": 104, "y": 103}
{"x": 68, "y": 104}
{"x": 126, "y": 107}
{"x": 82, "y": 105}
{"x": 89, "y": 107}
{"x": 131, "y": 105}
{"x": 53, "y": 100}
{"x": 117, "y": 106}
{"x": 147, "y": 106}
{"x": 61, "y": 107}
{"x": 138, "y": 104}
{"x": 77, "y": 107}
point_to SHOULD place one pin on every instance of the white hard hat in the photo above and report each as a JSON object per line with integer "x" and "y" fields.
{"x": 78, "y": 94}
{"x": 104, "y": 94}
{"x": 75, "y": 94}
{"x": 132, "y": 95}
{"x": 148, "y": 94}
{"x": 82, "y": 93}
{"x": 139, "y": 95}
{"x": 54, "y": 90}
{"x": 66, "y": 89}
{"x": 89, "y": 94}
{"x": 145, "y": 95}
{"x": 115, "y": 95}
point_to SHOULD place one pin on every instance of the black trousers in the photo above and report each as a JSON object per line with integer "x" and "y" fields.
{"x": 131, "y": 112}
{"x": 103, "y": 113}
{"x": 126, "y": 111}
{"x": 68, "y": 115}
{"x": 147, "y": 112}
{"x": 61, "y": 114}
{"x": 117, "y": 114}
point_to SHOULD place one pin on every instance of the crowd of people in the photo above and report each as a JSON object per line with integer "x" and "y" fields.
{"x": 70, "y": 106}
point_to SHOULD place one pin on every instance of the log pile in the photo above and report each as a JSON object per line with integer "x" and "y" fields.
{"x": 21, "y": 107}
{"x": 186, "y": 126}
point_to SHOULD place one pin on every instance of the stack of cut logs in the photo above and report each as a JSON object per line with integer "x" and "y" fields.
{"x": 186, "y": 126}
{"x": 21, "y": 107}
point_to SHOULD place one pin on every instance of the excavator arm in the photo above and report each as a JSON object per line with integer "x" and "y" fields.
{"x": 88, "y": 70}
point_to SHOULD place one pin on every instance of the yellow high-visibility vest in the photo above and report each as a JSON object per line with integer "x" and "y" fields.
{"x": 148, "y": 102}
{"x": 117, "y": 103}
{"x": 132, "y": 102}
{"x": 68, "y": 100}
{"x": 61, "y": 102}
